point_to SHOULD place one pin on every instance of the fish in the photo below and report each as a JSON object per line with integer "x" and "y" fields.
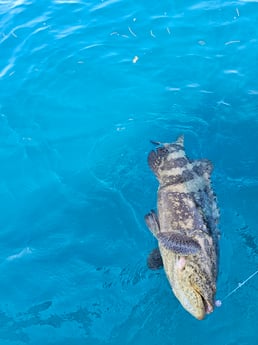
{"x": 185, "y": 226}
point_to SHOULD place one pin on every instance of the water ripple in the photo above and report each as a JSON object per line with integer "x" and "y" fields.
{"x": 104, "y": 4}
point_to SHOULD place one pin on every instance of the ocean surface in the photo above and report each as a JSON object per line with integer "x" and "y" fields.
{"x": 84, "y": 87}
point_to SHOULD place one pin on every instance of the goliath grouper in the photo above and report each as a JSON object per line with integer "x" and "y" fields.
{"x": 185, "y": 227}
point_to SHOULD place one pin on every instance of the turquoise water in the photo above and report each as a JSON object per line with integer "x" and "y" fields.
{"x": 84, "y": 86}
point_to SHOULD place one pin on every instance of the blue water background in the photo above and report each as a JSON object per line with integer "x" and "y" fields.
{"x": 84, "y": 86}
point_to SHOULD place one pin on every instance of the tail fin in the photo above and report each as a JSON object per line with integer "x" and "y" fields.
{"x": 180, "y": 140}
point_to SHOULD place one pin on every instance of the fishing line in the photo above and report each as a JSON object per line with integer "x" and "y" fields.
{"x": 218, "y": 303}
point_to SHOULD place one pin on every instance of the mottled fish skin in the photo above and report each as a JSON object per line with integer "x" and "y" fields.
{"x": 187, "y": 209}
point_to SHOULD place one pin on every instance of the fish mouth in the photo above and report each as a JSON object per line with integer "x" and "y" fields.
{"x": 205, "y": 307}
{"x": 208, "y": 307}
{"x": 199, "y": 308}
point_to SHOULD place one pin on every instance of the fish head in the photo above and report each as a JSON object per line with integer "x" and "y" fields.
{"x": 194, "y": 287}
{"x": 191, "y": 267}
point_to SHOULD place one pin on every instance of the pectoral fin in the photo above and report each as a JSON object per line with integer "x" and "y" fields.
{"x": 152, "y": 222}
{"x": 154, "y": 260}
{"x": 179, "y": 244}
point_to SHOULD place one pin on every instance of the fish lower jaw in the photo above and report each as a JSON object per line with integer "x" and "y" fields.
{"x": 200, "y": 310}
{"x": 198, "y": 314}
{"x": 206, "y": 310}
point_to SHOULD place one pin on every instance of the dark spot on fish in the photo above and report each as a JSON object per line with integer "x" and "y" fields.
{"x": 156, "y": 158}
{"x": 162, "y": 152}
{"x": 198, "y": 169}
{"x": 174, "y": 163}
{"x": 185, "y": 176}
